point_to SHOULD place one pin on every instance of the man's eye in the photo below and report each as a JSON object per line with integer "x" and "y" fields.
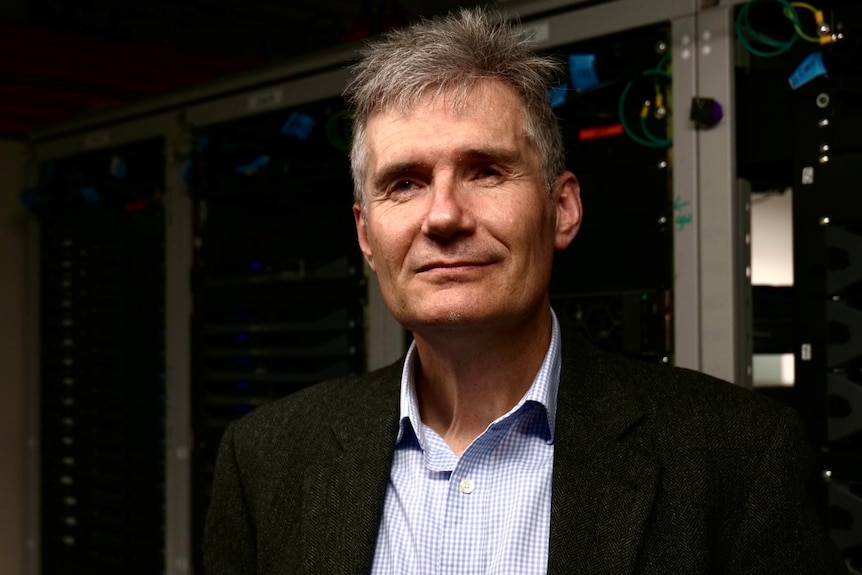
{"x": 405, "y": 186}
{"x": 488, "y": 173}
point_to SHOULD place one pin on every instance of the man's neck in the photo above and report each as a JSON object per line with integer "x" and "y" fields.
{"x": 467, "y": 379}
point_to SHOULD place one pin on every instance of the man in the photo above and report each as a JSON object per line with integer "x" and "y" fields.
{"x": 502, "y": 443}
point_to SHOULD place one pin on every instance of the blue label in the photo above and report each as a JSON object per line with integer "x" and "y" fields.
{"x": 253, "y": 166}
{"x": 118, "y": 168}
{"x": 811, "y": 67}
{"x": 187, "y": 170}
{"x": 91, "y": 195}
{"x": 558, "y": 95}
{"x": 298, "y": 125}
{"x": 582, "y": 71}
{"x": 28, "y": 198}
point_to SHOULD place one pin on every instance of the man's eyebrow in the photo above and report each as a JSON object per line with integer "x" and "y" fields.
{"x": 491, "y": 154}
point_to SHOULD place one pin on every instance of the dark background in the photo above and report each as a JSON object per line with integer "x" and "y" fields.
{"x": 62, "y": 58}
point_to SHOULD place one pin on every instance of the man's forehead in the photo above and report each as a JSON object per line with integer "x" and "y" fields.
{"x": 458, "y": 99}
{"x": 422, "y": 135}
{"x": 419, "y": 144}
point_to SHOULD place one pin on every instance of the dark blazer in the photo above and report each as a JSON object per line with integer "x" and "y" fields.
{"x": 657, "y": 470}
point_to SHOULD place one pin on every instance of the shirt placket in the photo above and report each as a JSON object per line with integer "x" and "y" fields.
{"x": 465, "y": 534}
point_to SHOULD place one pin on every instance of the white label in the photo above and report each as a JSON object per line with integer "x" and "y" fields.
{"x": 808, "y": 175}
{"x": 263, "y": 100}
{"x": 805, "y": 352}
{"x": 537, "y": 33}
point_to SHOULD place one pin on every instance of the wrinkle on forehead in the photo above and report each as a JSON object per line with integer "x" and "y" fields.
{"x": 456, "y": 97}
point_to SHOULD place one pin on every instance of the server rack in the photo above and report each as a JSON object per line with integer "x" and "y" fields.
{"x": 828, "y": 280}
{"x": 102, "y": 360}
{"x": 278, "y": 278}
{"x": 803, "y": 136}
{"x": 615, "y": 280}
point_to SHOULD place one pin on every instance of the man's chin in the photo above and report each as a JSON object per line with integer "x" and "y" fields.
{"x": 447, "y": 319}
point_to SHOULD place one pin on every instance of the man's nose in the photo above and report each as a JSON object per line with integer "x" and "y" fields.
{"x": 449, "y": 210}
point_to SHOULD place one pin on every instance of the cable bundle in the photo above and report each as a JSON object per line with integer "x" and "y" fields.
{"x": 646, "y": 137}
{"x": 761, "y": 44}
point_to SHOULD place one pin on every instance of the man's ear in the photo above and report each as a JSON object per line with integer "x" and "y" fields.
{"x": 362, "y": 234}
{"x": 567, "y": 196}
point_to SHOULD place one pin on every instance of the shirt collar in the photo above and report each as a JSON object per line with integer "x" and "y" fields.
{"x": 543, "y": 390}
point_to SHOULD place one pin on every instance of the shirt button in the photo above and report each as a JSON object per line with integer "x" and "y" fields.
{"x": 466, "y": 486}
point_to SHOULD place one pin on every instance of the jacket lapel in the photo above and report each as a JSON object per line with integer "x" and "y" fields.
{"x": 603, "y": 484}
{"x": 343, "y": 496}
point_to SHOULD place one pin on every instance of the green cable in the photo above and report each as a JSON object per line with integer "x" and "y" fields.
{"x": 650, "y": 141}
{"x": 744, "y": 31}
{"x": 658, "y": 142}
{"x": 662, "y": 62}
{"x": 798, "y": 25}
{"x": 337, "y": 130}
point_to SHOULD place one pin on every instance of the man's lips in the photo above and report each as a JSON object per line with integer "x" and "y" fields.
{"x": 454, "y": 265}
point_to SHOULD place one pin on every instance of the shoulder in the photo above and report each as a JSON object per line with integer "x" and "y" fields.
{"x": 732, "y": 477}
{"x": 663, "y": 388}
{"x": 679, "y": 407}
{"x": 304, "y": 418}
{"x": 714, "y": 441}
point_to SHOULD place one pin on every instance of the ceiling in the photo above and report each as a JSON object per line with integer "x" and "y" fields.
{"x": 63, "y": 58}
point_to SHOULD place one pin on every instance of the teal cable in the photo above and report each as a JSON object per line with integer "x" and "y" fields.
{"x": 658, "y": 142}
{"x": 650, "y": 141}
{"x": 744, "y": 31}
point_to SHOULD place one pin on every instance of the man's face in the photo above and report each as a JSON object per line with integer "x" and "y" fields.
{"x": 458, "y": 224}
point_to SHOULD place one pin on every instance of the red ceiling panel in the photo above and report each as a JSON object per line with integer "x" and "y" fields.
{"x": 49, "y": 75}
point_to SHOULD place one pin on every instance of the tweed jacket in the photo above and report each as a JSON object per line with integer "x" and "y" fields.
{"x": 657, "y": 470}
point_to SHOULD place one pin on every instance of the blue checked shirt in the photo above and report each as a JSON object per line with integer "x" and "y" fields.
{"x": 487, "y": 512}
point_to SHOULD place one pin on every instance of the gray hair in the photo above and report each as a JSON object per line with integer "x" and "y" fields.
{"x": 452, "y": 54}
